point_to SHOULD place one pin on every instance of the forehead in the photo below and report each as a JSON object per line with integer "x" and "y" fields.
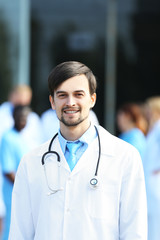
{"x": 75, "y": 83}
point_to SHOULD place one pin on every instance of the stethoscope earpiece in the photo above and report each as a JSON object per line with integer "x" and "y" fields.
{"x": 94, "y": 182}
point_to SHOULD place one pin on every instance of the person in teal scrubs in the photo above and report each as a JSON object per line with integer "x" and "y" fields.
{"x": 131, "y": 124}
{"x": 12, "y": 148}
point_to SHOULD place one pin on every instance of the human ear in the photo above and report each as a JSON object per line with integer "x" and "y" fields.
{"x": 51, "y": 99}
{"x": 93, "y": 99}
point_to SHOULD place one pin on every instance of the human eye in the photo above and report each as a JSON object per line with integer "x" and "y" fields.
{"x": 61, "y": 95}
{"x": 79, "y": 94}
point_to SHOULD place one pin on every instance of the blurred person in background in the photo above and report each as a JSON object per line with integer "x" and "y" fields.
{"x": 49, "y": 118}
{"x": 2, "y": 205}
{"x": 12, "y": 148}
{"x": 152, "y": 167}
{"x": 21, "y": 95}
{"x": 132, "y": 125}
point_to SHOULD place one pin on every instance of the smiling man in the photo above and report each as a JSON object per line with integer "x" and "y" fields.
{"x": 72, "y": 101}
{"x": 84, "y": 184}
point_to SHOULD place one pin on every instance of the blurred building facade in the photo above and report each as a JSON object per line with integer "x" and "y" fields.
{"x": 76, "y": 30}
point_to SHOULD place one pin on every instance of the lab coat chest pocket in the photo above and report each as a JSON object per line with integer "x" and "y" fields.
{"x": 103, "y": 202}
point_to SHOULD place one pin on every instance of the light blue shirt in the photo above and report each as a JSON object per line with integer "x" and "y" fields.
{"x": 86, "y": 139}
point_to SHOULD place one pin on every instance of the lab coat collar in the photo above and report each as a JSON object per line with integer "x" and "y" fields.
{"x": 108, "y": 149}
{"x": 86, "y": 138}
{"x": 107, "y": 140}
{"x": 108, "y": 145}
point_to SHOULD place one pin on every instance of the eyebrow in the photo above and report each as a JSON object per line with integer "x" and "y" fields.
{"x": 60, "y": 91}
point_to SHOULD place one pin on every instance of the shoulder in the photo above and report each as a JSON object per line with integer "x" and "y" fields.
{"x": 110, "y": 138}
{"x": 31, "y": 162}
{"x": 137, "y": 132}
{"x": 49, "y": 114}
{"x": 5, "y": 106}
{"x": 114, "y": 145}
{"x": 9, "y": 134}
{"x": 33, "y": 116}
{"x": 37, "y": 151}
{"x": 123, "y": 155}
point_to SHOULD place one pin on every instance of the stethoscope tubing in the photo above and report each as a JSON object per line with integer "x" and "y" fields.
{"x": 94, "y": 180}
{"x": 99, "y": 153}
{"x": 49, "y": 151}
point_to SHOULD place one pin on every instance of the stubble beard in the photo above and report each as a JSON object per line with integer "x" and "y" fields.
{"x": 71, "y": 122}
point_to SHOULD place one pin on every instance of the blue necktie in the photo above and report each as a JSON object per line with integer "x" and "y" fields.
{"x": 72, "y": 148}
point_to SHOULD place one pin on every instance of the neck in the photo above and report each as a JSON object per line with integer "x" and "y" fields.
{"x": 153, "y": 122}
{"x": 73, "y": 133}
{"x": 129, "y": 126}
{"x": 17, "y": 129}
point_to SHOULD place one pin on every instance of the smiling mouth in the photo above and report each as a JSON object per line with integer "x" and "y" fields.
{"x": 71, "y": 111}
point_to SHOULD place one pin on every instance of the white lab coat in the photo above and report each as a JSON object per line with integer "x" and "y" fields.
{"x": 116, "y": 210}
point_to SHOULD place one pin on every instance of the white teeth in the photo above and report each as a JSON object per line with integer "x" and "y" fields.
{"x": 71, "y": 112}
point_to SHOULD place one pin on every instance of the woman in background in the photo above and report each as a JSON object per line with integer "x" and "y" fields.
{"x": 133, "y": 126}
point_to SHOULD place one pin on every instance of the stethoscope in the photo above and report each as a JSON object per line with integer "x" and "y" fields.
{"x": 93, "y": 182}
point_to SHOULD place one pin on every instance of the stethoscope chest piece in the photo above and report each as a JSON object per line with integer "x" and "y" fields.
{"x": 94, "y": 182}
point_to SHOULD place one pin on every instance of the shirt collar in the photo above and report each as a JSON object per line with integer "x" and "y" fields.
{"x": 86, "y": 138}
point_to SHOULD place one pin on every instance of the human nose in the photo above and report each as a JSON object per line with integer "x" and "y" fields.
{"x": 70, "y": 101}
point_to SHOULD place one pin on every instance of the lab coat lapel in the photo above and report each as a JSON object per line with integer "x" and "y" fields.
{"x": 90, "y": 156}
{"x": 87, "y": 158}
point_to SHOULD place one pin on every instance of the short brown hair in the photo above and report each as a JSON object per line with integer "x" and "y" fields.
{"x": 67, "y": 70}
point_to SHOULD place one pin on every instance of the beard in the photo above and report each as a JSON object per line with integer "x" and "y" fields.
{"x": 71, "y": 122}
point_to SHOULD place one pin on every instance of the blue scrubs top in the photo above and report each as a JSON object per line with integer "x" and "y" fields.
{"x": 12, "y": 149}
{"x": 136, "y": 138}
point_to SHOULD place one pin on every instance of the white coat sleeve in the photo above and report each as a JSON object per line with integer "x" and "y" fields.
{"x": 21, "y": 216}
{"x": 133, "y": 205}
